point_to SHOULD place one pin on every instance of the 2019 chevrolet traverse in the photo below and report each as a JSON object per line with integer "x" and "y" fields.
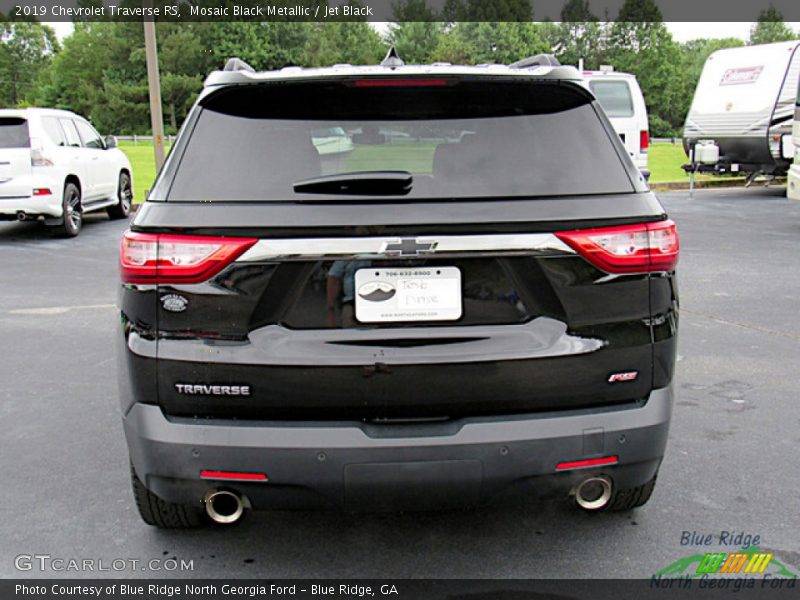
{"x": 469, "y": 291}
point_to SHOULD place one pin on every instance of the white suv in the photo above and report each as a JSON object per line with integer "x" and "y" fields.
{"x": 54, "y": 166}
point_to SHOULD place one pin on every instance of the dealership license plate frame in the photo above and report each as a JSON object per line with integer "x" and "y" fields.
{"x": 408, "y": 300}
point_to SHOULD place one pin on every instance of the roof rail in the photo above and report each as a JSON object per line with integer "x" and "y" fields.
{"x": 237, "y": 64}
{"x": 392, "y": 59}
{"x": 537, "y": 60}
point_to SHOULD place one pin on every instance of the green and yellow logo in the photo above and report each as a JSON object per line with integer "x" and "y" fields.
{"x": 735, "y": 562}
{"x": 749, "y": 561}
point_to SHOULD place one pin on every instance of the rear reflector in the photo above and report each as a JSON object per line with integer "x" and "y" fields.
{"x": 644, "y": 141}
{"x": 167, "y": 258}
{"x": 233, "y": 476}
{"x": 372, "y": 83}
{"x": 589, "y": 462}
{"x": 640, "y": 248}
{"x": 42, "y": 192}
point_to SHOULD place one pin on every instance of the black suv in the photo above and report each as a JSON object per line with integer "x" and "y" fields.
{"x": 395, "y": 287}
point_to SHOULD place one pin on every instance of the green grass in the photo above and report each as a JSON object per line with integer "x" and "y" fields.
{"x": 415, "y": 157}
{"x": 143, "y": 163}
{"x": 665, "y": 162}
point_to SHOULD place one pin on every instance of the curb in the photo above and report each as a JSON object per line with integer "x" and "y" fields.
{"x": 674, "y": 186}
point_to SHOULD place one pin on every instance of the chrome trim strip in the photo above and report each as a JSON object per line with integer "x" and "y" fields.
{"x": 376, "y": 247}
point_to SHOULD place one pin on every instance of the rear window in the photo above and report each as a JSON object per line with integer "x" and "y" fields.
{"x": 457, "y": 140}
{"x": 14, "y": 133}
{"x": 614, "y": 97}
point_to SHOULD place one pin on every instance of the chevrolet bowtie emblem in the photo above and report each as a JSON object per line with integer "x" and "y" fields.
{"x": 408, "y": 247}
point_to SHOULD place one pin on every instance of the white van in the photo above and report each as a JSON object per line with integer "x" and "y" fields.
{"x": 55, "y": 167}
{"x": 621, "y": 97}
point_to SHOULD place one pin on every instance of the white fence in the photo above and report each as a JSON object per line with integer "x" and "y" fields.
{"x": 168, "y": 139}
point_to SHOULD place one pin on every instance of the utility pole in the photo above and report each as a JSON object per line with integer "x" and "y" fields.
{"x": 154, "y": 85}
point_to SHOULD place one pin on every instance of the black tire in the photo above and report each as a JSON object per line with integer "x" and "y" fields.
{"x": 160, "y": 513}
{"x": 72, "y": 212}
{"x": 122, "y": 209}
{"x": 630, "y": 498}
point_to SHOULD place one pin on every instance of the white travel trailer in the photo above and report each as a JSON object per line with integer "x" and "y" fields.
{"x": 741, "y": 115}
{"x": 793, "y": 182}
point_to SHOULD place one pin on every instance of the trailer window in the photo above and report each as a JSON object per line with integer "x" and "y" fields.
{"x": 614, "y": 97}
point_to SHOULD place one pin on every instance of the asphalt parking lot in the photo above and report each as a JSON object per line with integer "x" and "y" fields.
{"x": 731, "y": 462}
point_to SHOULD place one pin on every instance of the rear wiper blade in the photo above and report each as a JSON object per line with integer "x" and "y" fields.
{"x": 361, "y": 183}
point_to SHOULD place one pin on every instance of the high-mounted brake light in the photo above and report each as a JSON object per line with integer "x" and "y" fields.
{"x": 644, "y": 140}
{"x": 640, "y": 248}
{"x": 167, "y": 258}
{"x": 372, "y": 83}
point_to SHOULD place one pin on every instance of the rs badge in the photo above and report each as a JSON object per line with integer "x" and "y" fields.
{"x": 628, "y": 376}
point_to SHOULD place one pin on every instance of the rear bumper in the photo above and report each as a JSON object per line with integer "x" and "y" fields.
{"x": 32, "y": 206}
{"x": 357, "y": 465}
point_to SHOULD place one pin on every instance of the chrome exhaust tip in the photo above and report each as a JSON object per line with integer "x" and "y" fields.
{"x": 593, "y": 493}
{"x": 21, "y": 216}
{"x": 224, "y": 506}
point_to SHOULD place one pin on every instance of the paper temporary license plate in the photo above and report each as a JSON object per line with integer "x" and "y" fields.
{"x": 413, "y": 294}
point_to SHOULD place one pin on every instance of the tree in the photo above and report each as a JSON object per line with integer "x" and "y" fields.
{"x": 415, "y": 32}
{"x": 638, "y": 25}
{"x": 640, "y": 43}
{"x": 770, "y": 28}
{"x": 101, "y": 73}
{"x": 579, "y": 35}
{"x": 355, "y": 43}
{"x": 269, "y": 45}
{"x": 345, "y": 41}
{"x": 76, "y": 79}
{"x": 26, "y": 50}
{"x": 416, "y": 42}
{"x": 483, "y": 11}
{"x": 180, "y": 57}
{"x": 491, "y": 42}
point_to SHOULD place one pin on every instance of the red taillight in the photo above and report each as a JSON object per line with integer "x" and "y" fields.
{"x": 644, "y": 140}
{"x": 42, "y": 192}
{"x": 233, "y": 475}
{"x": 371, "y": 83}
{"x": 167, "y": 258}
{"x": 641, "y": 248}
{"x": 589, "y": 462}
